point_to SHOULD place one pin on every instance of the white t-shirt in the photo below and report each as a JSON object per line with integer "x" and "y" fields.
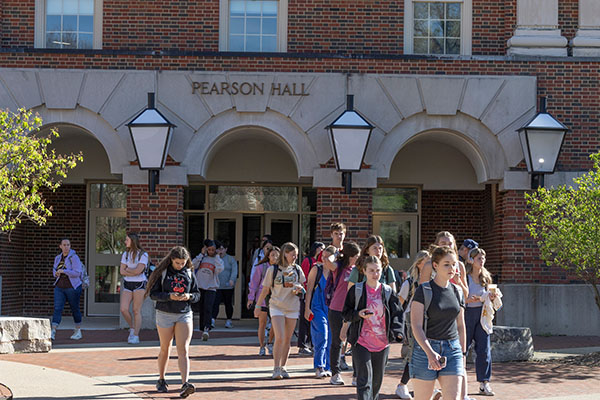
{"x": 133, "y": 263}
{"x": 282, "y": 296}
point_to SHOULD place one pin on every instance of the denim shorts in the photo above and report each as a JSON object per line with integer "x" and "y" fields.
{"x": 168, "y": 320}
{"x": 450, "y": 349}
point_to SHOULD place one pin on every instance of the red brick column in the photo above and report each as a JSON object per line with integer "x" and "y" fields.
{"x": 157, "y": 218}
{"x": 354, "y": 210}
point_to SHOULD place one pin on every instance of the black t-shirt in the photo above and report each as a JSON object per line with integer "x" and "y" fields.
{"x": 443, "y": 310}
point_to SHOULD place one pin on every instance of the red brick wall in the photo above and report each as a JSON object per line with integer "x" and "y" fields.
{"x": 155, "y": 25}
{"x": 340, "y": 26}
{"x": 17, "y": 23}
{"x": 354, "y": 210}
{"x": 493, "y": 24}
{"x": 12, "y": 266}
{"x": 157, "y": 218}
{"x": 568, "y": 17}
{"x": 41, "y": 246}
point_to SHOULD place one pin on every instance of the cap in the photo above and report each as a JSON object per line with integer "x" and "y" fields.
{"x": 470, "y": 244}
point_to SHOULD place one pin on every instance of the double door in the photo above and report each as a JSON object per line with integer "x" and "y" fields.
{"x": 240, "y": 231}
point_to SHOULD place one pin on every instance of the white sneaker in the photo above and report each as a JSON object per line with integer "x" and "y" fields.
{"x": 76, "y": 334}
{"x": 134, "y": 340}
{"x": 270, "y": 348}
{"x": 320, "y": 372}
{"x": 336, "y": 380}
{"x": 53, "y": 334}
{"x": 284, "y": 373}
{"x": 131, "y": 334}
{"x": 228, "y": 324}
{"x": 437, "y": 394}
{"x": 276, "y": 373}
{"x": 485, "y": 389}
{"x": 205, "y": 336}
{"x": 262, "y": 351}
{"x": 402, "y": 392}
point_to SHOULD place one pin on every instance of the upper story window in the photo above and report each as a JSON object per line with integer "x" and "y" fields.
{"x": 253, "y": 25}
{"x": 68, "y": 24}
{"x": 438, "y": 27}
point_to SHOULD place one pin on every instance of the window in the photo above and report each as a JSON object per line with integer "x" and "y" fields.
{"x": 438, "y": 27}
{"x": 68, "y": 24}
{"x": 253, "y": 25}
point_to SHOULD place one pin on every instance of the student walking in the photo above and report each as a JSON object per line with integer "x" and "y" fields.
{"x": 479, "y": 280}
{"x": 67, "y": 287}
{"x": 438, "y": 351}
{"x": 335, "y": 294}
{"x": 284, "y": 283}
{"x": 375, "y": 318}
{"x": 304, "y": 326}
{"x": 174, "y": 288}
{"x": 227, "y": 279}
{"x": 134, "y": 262}
{"x": 405, "y": 295}
{"x": 208, "y": 265}
{"x": 316, "y": 311}
{"x": 374, "y": 246}
{"x": 255, "y": 289}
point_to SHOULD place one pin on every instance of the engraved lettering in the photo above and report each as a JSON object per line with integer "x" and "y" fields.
{"x": 195, "y": 86}
{"x": 286, "y": 89}
{"x": 225, "y": 87}
{"x": 235, "y": 88}
{"x": 276, "y": 87}
{"x": 248, "y": 87}
{"x": 214, "y": 88}
{"x": 258, "y": 88}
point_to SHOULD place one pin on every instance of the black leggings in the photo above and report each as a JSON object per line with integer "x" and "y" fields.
{"x": 405, "y": 375}
{"x": 204, "y": 308}
{"x": 335, "y": 324}
{"x": 224, "y": 296}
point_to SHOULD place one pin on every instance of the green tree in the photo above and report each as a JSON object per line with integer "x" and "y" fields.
{"x": 565, "y": 221}
{"x": 28, "y": 166}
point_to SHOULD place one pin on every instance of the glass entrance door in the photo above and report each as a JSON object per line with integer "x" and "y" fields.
{"x": 228, "y": 227}
{"x": 106, "y": 243}
{"x": 399, "y": 232}
{"x": 283, "y": 228}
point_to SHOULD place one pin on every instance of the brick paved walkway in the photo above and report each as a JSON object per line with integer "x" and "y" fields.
{"x": 226, "y": 371}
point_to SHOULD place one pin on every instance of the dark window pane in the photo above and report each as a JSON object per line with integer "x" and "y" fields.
{"x": 69, "y": 40}
{"x": 69, "y": 23}
{"x": 453, "y": 11}
{"x": 53, "y": 23}
{"x": 421, "y": 28}
{"x": 396, "y": 200}
{"x": 309, "y": 199}
{"x": 436, "y": 28}
{"x": 436, "y": 11}
{"x": 436, "y": 46}
{"x": 86, "y": 24}
{"x": 195, "y": 198}
{"x": 452, "y": 46}
{"x": 453, "y": 29}
{"x": 421, "y": 10}
{"x": 420, "y": 46}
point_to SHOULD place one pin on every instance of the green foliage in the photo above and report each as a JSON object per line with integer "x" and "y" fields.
{"x": 27, "y": 166}
{"x": 565, "y": 221}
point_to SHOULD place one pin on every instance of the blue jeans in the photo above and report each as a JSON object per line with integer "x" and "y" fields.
{"x": 483, "y": 351}
{"x": 61, "y": 296}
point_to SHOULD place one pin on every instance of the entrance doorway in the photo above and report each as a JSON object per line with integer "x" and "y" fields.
{"x": 399, "y": 233}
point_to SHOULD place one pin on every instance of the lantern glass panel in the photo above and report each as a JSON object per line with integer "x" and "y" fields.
{"x": 150, "y": 143}
{"x": 350, "y": 145}
{"x": 544, "y": 146}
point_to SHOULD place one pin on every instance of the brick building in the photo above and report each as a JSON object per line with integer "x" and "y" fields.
{"x": 251, "y": 86}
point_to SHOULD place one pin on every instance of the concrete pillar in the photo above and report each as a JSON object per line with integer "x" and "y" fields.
{"x": 587, "y": 41}
{"x": 537, "y": 30}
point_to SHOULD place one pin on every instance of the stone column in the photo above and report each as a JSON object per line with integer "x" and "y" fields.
{"x": 587, "y": 41}
{"x": 537, "y": 30}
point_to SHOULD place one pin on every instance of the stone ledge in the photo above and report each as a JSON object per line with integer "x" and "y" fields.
{"x": 24, "y": 335}
{"x": 509, "y": 344}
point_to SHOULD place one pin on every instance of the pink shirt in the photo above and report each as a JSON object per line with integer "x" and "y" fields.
{"x": 339, "y": 295}
{"x": 373, "y": 335}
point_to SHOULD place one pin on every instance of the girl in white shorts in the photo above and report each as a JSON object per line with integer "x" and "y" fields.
{"x": 283, "y": 282}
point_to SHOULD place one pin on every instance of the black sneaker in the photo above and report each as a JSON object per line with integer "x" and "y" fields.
{"x": 161, "y": 386}
{"x": 187, "y": 389}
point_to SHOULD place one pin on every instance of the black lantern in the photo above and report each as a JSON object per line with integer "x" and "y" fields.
{"x": 349, "y": 135}
{"x": 541, "y": 140}
{"x": 151, "y": 135}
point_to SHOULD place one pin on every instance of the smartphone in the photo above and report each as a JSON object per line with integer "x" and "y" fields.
{"x": 368, "y": 312}
{"x": 442, "y": 361}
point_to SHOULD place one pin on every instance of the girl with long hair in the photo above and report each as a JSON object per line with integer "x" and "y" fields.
{"x": 339, "y": 285}
{"x": 174, "y": 288}
{"x": 374, "y": 246}
{"x": 284, "y": 283}
{"x": 438, "y": 352}
{"x": 405, "y": 295}
{"x": 479, "y": 278}
{"x": 134, "y": 262}
{"x": 255, "y": 288}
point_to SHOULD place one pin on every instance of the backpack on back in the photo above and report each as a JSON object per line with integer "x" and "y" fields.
{"x": 360, "y": 286}
{"x": 331, "y": 285}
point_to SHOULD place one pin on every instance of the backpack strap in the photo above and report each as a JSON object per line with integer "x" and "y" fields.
{"x": 428, "y": 296}
{"x": 275, "y": 271}
{"x": 387, "y": 291}
{"x": 358, "y": 290}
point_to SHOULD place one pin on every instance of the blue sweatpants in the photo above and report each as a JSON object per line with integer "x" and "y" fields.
{"x": 321, "y": 339}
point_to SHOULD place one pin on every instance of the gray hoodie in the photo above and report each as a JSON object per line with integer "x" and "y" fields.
{"x": 207, "y": 271}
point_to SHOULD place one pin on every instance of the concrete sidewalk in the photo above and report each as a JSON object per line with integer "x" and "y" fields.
{"x": 227, "y": 367}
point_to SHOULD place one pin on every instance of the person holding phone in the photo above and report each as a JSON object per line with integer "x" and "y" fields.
{"x": 208, "y": 265}
{"x": 445, "y": 335}
{"x": 375, "y": 321}
{"x": 174, "y": 288}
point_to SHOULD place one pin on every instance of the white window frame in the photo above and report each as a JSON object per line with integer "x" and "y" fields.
{"x": 466, "y": 31}
{"x": 282, "y": 24}
{"x": 40, "y": 25}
